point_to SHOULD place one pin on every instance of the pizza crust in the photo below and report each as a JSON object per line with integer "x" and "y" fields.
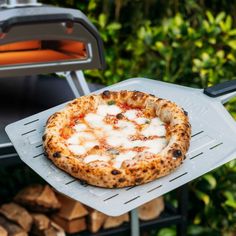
{"x": 141, "y": 169}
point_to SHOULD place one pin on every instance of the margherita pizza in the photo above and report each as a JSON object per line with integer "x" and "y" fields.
{"x": 118, "y": 138}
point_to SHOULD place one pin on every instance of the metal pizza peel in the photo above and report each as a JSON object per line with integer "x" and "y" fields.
{"x": 213, "y": 143}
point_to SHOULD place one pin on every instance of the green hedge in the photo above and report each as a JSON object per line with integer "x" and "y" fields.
{"x": 187, "y": 42}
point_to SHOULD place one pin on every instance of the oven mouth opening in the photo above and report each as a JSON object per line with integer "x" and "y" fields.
{"x": 41, "y": 51}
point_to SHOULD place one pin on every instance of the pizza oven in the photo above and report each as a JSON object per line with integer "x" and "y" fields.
{"x": 36, "y": 38}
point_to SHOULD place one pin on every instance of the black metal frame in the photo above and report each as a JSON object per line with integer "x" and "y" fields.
{"x": 171, "y": 216}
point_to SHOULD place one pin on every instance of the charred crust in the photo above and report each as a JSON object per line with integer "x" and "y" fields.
{"x": 44, "y": 137}
{"x": 83, "y": 182}
{"x": 45, "y": 153}
{"x": 96, "y": 147}
{"x": 177, "y": 153}
{"x": 152, "y": 95}
{"x": 119, "y": 116}
{"x": 185, "y": 112}
{"x": 121, "y": 180}
{"x": 136, "y": 95}
{"x": 138, "y": 180}
{"x": 106, "y": 94}
{"x": 115, "y": 172}
{"x": 56, "y": 154}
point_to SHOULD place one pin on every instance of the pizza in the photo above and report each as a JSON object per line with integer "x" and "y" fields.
{"x": 118, "y": 138}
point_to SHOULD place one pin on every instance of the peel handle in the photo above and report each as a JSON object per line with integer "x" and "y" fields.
{"x": 224, "y": 91}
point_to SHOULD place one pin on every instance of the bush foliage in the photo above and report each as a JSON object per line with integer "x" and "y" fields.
{"x": 187, "y": 42}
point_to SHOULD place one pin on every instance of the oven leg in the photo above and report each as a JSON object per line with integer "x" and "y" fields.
{"x": 134, "y": 223}
{"x": 77, "y": 83}
{"x": 183, "y": 210}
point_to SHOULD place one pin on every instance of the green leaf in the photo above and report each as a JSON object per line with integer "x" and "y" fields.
{"x": 210, "y": 17}
{"x": 92, "y": 5}
{"x": 203, "y": 196}
{"x": 198, "y": 43}
{"x": 232, "y": 32}
{"x": 112, "y": 102}
{"x": 212, "y": 40}
{"x": 232, "y": 44}
{"x": 211, "y": 180}
{"x": 220, "y": 17}
{"x": 197, "y": 62}
{"x": 228, "y": 22}
{"x": 114, "y": 26}
{"x": 167, "y": 232}
{"x": 102, "y": 20}
{"x": 159, "y": 45}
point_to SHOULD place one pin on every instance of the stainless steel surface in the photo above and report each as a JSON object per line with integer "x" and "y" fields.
{"x": 134, "y": 223}
{"x": 77, "y": 82}
{"x": 213, "y": 143}
{"x": 20, "y": 3}
{"x": 47, "y": 23}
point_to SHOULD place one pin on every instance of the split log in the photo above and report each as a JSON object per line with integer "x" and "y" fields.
{"x": 17, "y": 214}
{"x": 12, "y": 228}
{"x": 151, "y": 210}
{"x": 112, "y": 222}
{"x": 38, "y": 198}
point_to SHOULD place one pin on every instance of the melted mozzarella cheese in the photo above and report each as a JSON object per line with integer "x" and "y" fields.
{"x": 104, "y": 110}
{"x": 123, "y": 157}
{"x": 74, "y": 139}
{"x": 141, "y": 120}
{"x": 131, "y": 144}
{"x": 85, "y": 136}
{"x": 156, "y": 145}
{"x": 77, "y": 149}
{"x": 90, "y": 144}
{"x": 91, "y": 158}
{"x": 95, "y": 128}
{"x": 115, "y": 138}
{"x": 131, "y": 114}
{"x": 156, "y": 127}
{"x": 80, "y": 127}
{"x": 126, "y": 127}
{"x": 94, "y": 120}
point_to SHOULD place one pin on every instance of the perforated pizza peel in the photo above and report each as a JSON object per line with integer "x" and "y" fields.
{"x": 213, "y": 143}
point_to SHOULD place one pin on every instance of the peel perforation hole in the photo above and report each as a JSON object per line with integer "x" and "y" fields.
{"x": 38, "y": 146}
{"x": 178, "y": 177}
{"x": 41, "y": 154}
{"x": 70, "y": 182}
{"x": 199, "y": 154}
{"x": 111, "y": 197}
{"x": 130, "y": 188}
{"x": 154, "y": 188}
{"x": 30, "y": 122}
{"x": 215, "y": 146}
{"x": 28, "y": 132}
{"x": 132, "y": 200}
{"x": 200, "y": 132}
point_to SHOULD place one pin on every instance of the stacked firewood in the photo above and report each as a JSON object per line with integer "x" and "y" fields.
{"x": 40, "y": 211}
